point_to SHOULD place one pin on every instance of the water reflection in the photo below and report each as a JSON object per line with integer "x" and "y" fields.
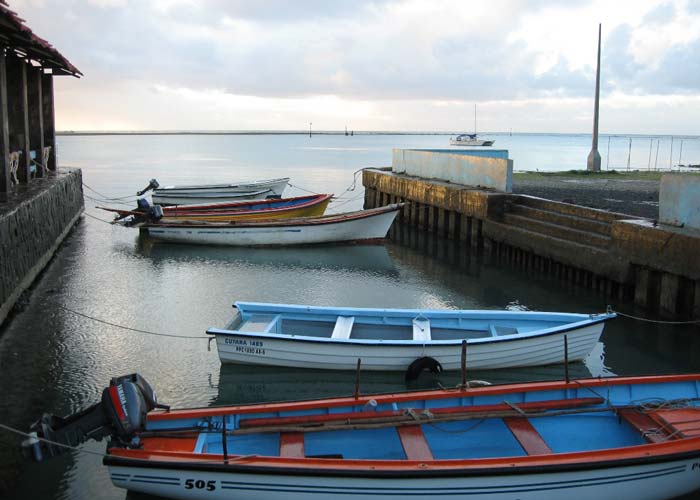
{"x": 374, "y": 258}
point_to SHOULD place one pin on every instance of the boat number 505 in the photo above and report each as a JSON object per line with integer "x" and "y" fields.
{"x": 200, "y": 484}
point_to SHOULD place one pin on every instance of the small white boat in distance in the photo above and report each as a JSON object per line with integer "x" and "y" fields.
{"x": 336, "y": 228}
{"x": 392, "y": 339}
{"x": 470, "y": 140}
{"x": 215, "y": 193}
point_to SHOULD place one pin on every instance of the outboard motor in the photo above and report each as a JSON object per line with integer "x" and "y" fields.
{"x": 152, "y": 184}
{"x": 142, "y": 204}
{"x": 155, "y": 212}
{"x": 120, "y": 415}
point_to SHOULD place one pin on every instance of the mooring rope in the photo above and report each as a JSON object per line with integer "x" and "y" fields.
{"x": 658, "y": 321}
{"x": 55, "y": 443}
{"x": 97, "y": 218}
{"x": 147, "y": 332}
{"x": 107, "y": 198}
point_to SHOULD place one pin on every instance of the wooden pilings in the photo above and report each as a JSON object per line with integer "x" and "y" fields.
{"x": 5, "y": 180}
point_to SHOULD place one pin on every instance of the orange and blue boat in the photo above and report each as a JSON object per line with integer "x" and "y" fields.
{"x": 602, "y": 438}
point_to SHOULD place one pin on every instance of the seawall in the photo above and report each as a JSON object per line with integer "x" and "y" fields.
{"x": 33, "y": 223}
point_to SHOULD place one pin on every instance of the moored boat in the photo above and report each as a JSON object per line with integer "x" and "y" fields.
{"x": 283, "y": 208}
{"x": 392, "y": 339}
{"x": 626, "y": 437}
{"x": 470, "y": 140}
{"x": 361, "y": 225}
{"x": 215, "y": 193}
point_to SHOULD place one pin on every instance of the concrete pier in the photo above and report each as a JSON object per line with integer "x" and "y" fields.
{"x": 33, "y": 223}
{"x": 622, "y": 257}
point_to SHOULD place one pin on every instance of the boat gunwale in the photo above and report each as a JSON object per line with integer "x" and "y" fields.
{"x": 215, "y": 194}
{"x": 210, "y": 186}
{"x": 419, "y": 395}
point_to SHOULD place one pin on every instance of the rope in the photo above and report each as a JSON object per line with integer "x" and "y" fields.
{"x": 107, "y": 198}
{"x": 658, "y": 321}
{"x": 97, "y": 218}
{"x": 147, "y": 332}
{"x": 55, "y": 443}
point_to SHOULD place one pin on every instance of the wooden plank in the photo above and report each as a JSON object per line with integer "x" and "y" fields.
{"x": 49, "y": 117}
{"x": 414, "y": 443}
{"x": 292, "y": 444}
{"x": 343, "y": 327}
{"x": 650, "y": 429}
{"x": 421, "y": 330}
{"x": 682, "y": 421}
{"x": 498, "y": 407}
{"x": 527, "y": 436}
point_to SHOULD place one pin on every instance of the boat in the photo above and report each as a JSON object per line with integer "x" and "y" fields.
{"x": 470, "y": 140}
{"x": 602, "y": 438}
{"x": 283, "y": 208}
{"x": 215, "y": 193}
{"x": 362, "y": 225}
{"x": 334, "y": 338}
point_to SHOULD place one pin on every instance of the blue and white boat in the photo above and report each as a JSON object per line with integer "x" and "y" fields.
{"x": 391, "y": 339}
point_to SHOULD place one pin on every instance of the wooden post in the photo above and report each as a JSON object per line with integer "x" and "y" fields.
{"x": 36, "y": 116}
{"x": 49, "y": 118}
{"x": 18, "y": 115}
{"x": 5, "y": 180}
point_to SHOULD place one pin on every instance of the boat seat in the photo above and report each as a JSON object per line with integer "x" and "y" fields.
{"x": 421, "y": 330}
{"x": 527, "y": 436}
{"x": 501, "y": 330}
{"x": 292, "y": 444}
{"x": 258, "y": 323}
{"x": 648, "y": 427}
{"x": 343, "y": 327}
{"x": 414, "y": 443}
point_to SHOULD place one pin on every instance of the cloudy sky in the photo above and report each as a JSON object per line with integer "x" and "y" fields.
{"x": 374, "y": 65}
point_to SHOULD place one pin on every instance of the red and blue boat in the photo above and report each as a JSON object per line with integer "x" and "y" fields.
{"x": 602, "y": 438}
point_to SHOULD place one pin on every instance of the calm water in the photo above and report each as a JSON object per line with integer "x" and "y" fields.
{"x": 53, "y": 360}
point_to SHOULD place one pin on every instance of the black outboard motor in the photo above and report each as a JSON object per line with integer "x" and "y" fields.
{"x": 120, "y": 415}
{"x": 152, "y": 184}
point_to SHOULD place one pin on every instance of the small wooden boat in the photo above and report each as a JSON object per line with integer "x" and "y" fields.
{"x": 391, "y": 339}
{"x": 283, "y": 208}
{"x": 607, "y": 439}
{"x": 215, "y": 193}
{"x": 347, "y": 227}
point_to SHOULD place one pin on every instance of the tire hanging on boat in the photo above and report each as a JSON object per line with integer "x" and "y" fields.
{"x": 426, "y": 363}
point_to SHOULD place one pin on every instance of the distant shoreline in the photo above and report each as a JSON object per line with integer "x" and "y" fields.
{"x": 349, "y": 134}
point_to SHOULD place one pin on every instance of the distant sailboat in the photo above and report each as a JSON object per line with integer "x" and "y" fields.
{"x": 470, "y": 139}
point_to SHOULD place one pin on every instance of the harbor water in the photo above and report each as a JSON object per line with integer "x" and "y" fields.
{"x": 56, "y": 357}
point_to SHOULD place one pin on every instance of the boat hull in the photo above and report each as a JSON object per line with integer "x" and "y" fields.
{"x": 475, "y": 142}
{"x": 342, "y": 355}
{"x": 651, "y": 481}
{"x": 370, "y": 225}
{"x": 219, "y": 193}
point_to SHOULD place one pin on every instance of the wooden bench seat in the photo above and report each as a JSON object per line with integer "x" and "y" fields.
{"x": 647, "y": 426}
{"x": 292, "y": 444}
{"x": 414, "y": 443}
{"x": 527, "y": 436}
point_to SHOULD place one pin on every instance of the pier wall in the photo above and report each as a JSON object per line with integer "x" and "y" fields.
{"x": 33, "y": 223}
{"x": 487, "y": 169}
{"x": 678, "y": 200}
{"x": 622, "y": 257}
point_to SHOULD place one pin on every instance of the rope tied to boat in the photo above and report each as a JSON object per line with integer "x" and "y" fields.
{"x": 648, "y": 320}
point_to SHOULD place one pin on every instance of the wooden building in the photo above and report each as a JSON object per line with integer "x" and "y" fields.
{"x": 27, "y": 129}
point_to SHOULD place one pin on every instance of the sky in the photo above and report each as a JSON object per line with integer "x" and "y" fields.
{"x": 413, "y": 65}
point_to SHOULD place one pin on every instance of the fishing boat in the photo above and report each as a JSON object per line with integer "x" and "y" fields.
{"x": 362, "y": 225}
{"x": 626, "y": 437}
{"x": 215, "y": 193}
{"x": 392, "y": 339}
{"x": 283, "y": 208}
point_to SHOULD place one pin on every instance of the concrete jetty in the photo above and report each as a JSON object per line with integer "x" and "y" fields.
{"x": 623, "y": 257}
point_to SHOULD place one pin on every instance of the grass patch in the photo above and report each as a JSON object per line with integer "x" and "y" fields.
{"x": 641, "y": 175}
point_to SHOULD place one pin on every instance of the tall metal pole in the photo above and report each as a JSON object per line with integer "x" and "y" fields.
{"x": 594, "y": 155}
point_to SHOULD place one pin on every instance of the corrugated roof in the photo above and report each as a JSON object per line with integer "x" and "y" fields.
{"x": 17, "y": 35}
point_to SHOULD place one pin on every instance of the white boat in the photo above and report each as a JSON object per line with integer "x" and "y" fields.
{"x": 351, "y": 226}
{"x": 470, "y": 140}
{"x": 215, "y": 193}
{"x": 392, "y": 339}
{"x": 580, "y": 439}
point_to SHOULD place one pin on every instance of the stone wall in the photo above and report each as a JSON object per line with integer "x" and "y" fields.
{"x": 33, "y": 223}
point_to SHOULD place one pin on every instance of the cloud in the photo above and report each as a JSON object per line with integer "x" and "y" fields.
{"x": 372, "y": 51}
